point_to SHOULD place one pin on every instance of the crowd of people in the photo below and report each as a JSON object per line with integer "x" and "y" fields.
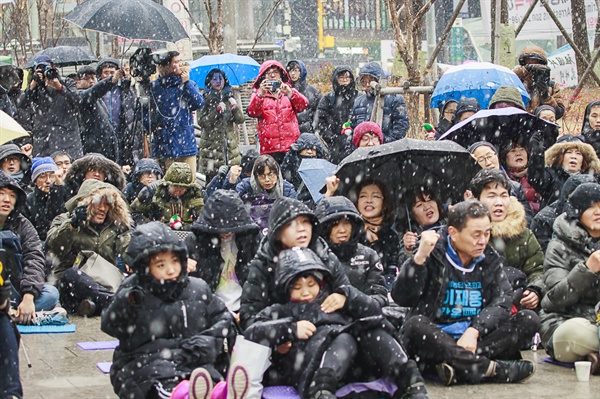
{"x": 326, "y": 291}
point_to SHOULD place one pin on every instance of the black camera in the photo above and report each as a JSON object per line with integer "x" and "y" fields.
{"x": 143, "y": 64}
{"x": 275, "y": 85}
{"x": 51, "y": 73}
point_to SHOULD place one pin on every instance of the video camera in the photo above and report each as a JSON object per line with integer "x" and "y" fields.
{"x": 143, "y": 63}
{"x": 48, "y": 73}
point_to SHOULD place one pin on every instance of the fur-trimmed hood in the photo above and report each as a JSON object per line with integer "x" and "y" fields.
{"x": 93, "y": 192}
{"x": 514, "y": 223}
{"x": 112, "y": 171}
{"x": 554, "y": 154}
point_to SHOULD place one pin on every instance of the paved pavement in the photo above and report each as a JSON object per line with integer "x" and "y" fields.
{"x": 62, "y": 370}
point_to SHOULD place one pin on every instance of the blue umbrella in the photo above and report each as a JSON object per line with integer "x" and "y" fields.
{"x": 478, "y": 80}
{"x": 313, "y": 172}
{"x": 238, "y": 69}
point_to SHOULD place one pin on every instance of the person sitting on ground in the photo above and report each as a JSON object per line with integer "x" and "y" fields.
{"x": 322, "y": 349}
{"x": 572, "y": 275}
{"x": 505, "y": 97}
{"x": 176, "y": 200}
{"x": 160, "y": 309}
{"x": 465, "y": 108}
{"x": 92, "y": 166}
{"x": 146, "y": 171}
{"x": 511, "y": 238}
{"x": 460, "y": 297}
{"x": 44, "y": 203}
{"x": 219, "y": 138}
{"x": 232, "y": 176}
{"x": 224, "y": 243}
{"x": 307, "y": 146}
{"x": 487, "y": 157}
{"x": 98, "y": 220}
{"x": 298, "y": 73}
{"x": 266, "y": 179}
{"x": 16, "y": 165}
{"x": 447, "y": 109}
{"x": 276, "y": 104}
{"x": 395, "y": 122}
{"x": 10, "y": 379}
{"x": 425, "y": 212}
{"x": 590, "y": 130}
{"x": 549, "y": 169}
{"x": 541, "y": 225}
{"x": 514, "y": 157}
{"x": 33, "y": 301}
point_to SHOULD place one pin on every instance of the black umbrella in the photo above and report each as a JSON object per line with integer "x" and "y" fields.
{"x": 131, "y": 19}
{"x": 445, "y": 168}
{"x": 63, "y": 56}
{"x": 501, "y": 126}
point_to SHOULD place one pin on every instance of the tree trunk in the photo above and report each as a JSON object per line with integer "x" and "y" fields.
{"x": 597, "y": 36}
{"x": 579, "y": 21}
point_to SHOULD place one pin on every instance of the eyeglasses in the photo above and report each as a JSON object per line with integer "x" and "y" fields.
{"x": 273, "y": 72}
{"x": 344, "y": 77}
{"x": 486, "y": 158}
{"x": 370, "y": 138}
{"x": 267, "y": 176}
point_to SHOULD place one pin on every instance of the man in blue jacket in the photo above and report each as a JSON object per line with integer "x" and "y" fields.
{"x": 395, "y": 118}
{"x": 174, "y": 97}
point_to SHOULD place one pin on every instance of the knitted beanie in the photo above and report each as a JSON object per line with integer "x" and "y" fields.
{"x": 42, "y": 165}
{"x": 364, "y": 128}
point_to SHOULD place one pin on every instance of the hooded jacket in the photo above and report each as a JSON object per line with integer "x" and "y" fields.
{"x": 219, "y": 140}
{"x": 572, "y": 289}
{"x": 173, "y": 118}
{"x": 541, "y": 225}
{"x": 33, "y": 260}
{"x": 592, "y": 136}
{"x": 259, "y": 290}
{"x": 516, "y": 243}
{"x": 155, "y": 203}
{"x": 223, "y": 213}
{"x": 191, "y": 324}
{"x": 144, "y": 165}
{"x": 544, "y": 171}
{"x": 97, "y": 132}
{"x": 76, "y": 173}
{"x": 54, "y": 119}
{"x": 277, "y": 323}
{"x": 292, "y": 161}
{"x": 109, "y": 240}
{"x": 507, "y": 94}
{"x": 334, "y": 110}
{"x": 423, "y": 287}
{"x": 250, "y": 186}
{"x": 306, "y": 118}
{"x": 362, "y": 264}
{"x": 7, "y": 150}
{"x": 278, "y": 125}
{"x": 465, "y": 105}
{"x": 395, "y": 118}
{"x": 444, "y": 124}
{"x": 554, "y": 98}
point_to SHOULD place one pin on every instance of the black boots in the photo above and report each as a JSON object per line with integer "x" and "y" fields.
{"x": 324, "y": 384}
{"x": 410, "y": 382}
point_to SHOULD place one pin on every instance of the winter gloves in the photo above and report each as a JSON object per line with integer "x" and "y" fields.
{"x": 79, "y": 216}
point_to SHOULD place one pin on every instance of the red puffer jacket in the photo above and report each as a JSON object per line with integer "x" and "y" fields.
{"x": 277, "y": 123}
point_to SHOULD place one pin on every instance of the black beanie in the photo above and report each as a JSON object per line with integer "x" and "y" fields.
{"x": 581, "y": 199}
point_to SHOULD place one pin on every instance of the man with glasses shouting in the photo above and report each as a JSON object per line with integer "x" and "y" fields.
{"x": 275, "y": 104}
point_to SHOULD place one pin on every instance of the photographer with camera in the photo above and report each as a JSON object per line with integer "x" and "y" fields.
{"x": 174, "y": 97}
{"x": 275, "y": 104}
{"x": 534, "y": 72}
{"x": 54, "y": 103}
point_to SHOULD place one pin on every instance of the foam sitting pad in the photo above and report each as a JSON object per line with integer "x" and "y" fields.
{"x": 280, "y": 392}
{"x": 548, "y": 359}
{"x": 104, "y": 367}
{"x": 98, "y": 345}
{"x": 65, "y": 328}
{"x": 385, "y": 385}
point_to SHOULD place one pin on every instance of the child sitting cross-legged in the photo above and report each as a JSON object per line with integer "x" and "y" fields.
{"x": 325, "y": 341}
{"x": 170, "y": 326}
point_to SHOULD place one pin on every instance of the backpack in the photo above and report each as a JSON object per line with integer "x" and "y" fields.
{"x": 259, "y": 207}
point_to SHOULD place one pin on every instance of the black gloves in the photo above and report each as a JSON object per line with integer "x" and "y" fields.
{"x": 79, "y": 216}
{"x": 223, "y": 169}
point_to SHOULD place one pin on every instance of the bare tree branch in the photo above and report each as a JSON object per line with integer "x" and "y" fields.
{"x": 262, "y": 28}
{"x": 421, "y": 13}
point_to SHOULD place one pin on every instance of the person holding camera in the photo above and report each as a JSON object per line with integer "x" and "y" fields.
{"x": 534, "y": 72}
{"x": 54, "y": 103}
{"x": 175, "y": 97}
{"x": 275, "y": 104}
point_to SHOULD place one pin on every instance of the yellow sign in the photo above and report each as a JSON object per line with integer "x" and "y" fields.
{"x": 329, "y": 41}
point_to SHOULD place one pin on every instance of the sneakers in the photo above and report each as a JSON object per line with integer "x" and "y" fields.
{"x": 446, "y": 374}
{"x": 86, "y": 308}
{"x": 594, "y": 358}
{"x": 200, "y": 384}
{"x": 511, "y": 371}
{"x": 238, "y": 383}
{"x": 323, "y": 385}
{"x": 54, "y": 317}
